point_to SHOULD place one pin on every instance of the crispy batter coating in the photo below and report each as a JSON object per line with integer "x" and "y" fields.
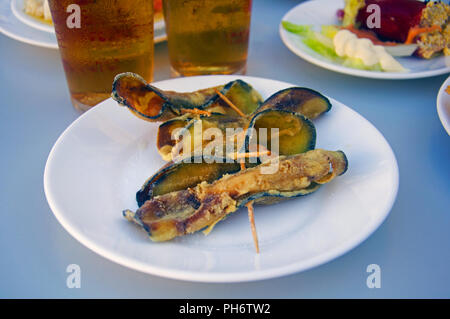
{"x": 187, "y": 211}
{"x": 447, "y": 39}
{"x": 435, "y": 14}
{"x": 430, "y": 43}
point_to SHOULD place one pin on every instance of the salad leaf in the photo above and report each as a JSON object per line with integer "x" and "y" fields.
{"x": 296, "y": 28}
{"x": 329, "y": 31}
{"x": 359, "y": 64}
{"x": 315, "y": 41}
{"x": 351, "y": 11}
{"x": 322, "y": 43}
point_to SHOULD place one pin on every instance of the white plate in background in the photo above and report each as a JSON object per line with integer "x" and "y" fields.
{"x": 443, "y": 105}
{"x": 323, "y": 12}
{"x": 17, "y": 7}
{"x": 99, "y": 162}
{"x": 15, "y": 28}
{"x": 16, "y": 24}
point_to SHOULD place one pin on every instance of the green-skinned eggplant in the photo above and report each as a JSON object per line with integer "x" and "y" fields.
{"x": 210, "y": 134}
{"x": 185, "y": 211}
{"x": 165, "y": 139}
{"x": 189, "y": 172}
{"x": 156, "y": 105}
{"x": 307, "y": 102}
{"x": 295, "y": 133}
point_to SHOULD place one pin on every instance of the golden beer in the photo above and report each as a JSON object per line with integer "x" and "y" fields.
{"x": 207, "y": 36}
{"x": 114, "y": 36}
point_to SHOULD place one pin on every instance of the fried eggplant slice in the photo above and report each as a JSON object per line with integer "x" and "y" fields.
{"x": 168, "y": 145}
{"x": 211, "y": 134}
{"x": 303, "y": 101}
{"x": 165, "y": 140}
{"x": 186, "y": 211}
{"x": 155, "y": 105}
{"x": 296, "y": 134}
{"x": 185, "y": 174}
{"x": 307, "y": 102}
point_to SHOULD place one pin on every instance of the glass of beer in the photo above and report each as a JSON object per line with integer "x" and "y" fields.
{"x": 207, "y": 36}
{"x": 98, "y": 39}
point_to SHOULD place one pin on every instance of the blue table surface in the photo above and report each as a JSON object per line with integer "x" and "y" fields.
{"x": 411, "y": 246}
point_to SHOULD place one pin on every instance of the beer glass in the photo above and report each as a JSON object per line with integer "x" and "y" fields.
{"x": 99, "y": 39}
{"x": 207, "y": 36}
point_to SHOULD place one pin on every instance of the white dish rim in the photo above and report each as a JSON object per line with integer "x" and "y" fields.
{"x": 215, "y": 277}
{"x": 350, "y": 71}
{"x": 445, "y": 120}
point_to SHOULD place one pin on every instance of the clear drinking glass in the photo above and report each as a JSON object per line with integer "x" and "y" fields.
{"x": 99, "y": 39}
{"x": 207, "y": 36}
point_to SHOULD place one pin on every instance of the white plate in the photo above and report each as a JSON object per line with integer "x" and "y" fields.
{"x": 323, "y": 12}
{"x": 13, "y": 25}
{"x": 443, "y": 105}
{"x": 16, "y": 24}
{"x": 17, "y": 7}
{"x": 102, "y": 159}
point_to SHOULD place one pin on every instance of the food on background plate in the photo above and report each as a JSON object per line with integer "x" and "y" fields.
{"x": 447, "y": 89}
{"x": 347, "y": 44}
{"x": 158, "y": 10}
{"x": 194, "y": 192}
{"x": 407, "y": 27}
{"x": 344, "y": 47}
{"x": 38, "y": 9}
{"x": 405, "y": 21}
